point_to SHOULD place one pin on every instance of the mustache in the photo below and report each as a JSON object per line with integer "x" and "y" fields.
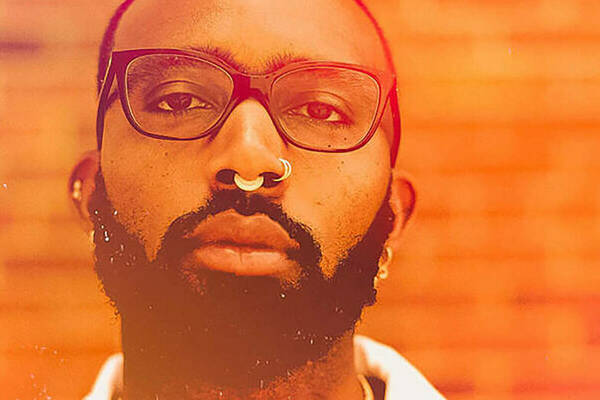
{"x": 175, "y": 245}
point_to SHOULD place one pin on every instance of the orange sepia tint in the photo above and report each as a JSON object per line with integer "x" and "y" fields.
{"x": 495, "y": 291}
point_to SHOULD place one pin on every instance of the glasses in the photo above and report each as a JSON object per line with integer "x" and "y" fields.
{"x": 184, "y": 95}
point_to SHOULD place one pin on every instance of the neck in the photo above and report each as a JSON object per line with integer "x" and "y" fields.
{"x": 152, "y": 371}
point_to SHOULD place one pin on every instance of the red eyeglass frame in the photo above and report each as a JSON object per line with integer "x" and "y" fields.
{"x": 244, "y": 87}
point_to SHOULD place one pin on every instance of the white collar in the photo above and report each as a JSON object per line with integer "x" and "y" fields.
{"x": 372, "y": 358}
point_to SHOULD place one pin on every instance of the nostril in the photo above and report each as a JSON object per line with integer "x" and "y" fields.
{"x": 270, "y": 179}
{"x": 225, "y": 176}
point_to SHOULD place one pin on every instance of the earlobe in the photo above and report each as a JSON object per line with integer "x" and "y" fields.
{"x": 81, "y": 185}
{"x": 402, "y": 200}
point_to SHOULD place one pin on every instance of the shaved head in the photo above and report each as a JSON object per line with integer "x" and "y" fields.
{"x": 359, "y": 12}
{"x": 285, "y": 271}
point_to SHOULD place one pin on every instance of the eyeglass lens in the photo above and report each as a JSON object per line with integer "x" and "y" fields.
{"x": 325, "y": 108}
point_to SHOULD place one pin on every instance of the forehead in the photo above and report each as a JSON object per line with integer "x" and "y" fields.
{"x": 256, "y": 31}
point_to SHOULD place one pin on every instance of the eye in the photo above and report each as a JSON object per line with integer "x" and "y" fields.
{"x": 319, "y": 111}
{"x": 178, "y": 102}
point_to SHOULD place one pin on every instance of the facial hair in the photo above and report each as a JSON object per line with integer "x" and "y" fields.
{"x": 249, "y": 330}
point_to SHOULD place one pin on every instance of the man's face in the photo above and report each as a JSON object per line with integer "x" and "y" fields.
{"x": 152, "y": 182}
{"x": 332, "y": 212}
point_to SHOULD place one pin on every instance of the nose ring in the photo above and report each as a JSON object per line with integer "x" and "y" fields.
{"x": 286, "y": 172}
{"x": 250, "y": 186}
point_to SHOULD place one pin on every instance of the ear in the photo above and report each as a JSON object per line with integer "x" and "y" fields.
{"x": 81, "y": 185}
{"x": 402, "y": 199}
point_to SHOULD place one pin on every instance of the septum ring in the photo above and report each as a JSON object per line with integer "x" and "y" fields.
{"x": 249, "y": 186}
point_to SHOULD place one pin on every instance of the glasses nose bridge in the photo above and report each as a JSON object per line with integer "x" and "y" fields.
{"x": 253, "y": 86}
{"x": 258, "y": 86}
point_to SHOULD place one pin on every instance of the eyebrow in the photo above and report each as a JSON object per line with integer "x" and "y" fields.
{"x": 268, "y": 65}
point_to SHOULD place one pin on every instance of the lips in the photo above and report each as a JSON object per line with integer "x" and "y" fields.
{"x": 243, "y": 245}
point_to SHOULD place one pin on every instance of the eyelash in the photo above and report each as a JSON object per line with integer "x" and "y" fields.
{"x": 154, "y": 105}
{"x": 345, "y": 121}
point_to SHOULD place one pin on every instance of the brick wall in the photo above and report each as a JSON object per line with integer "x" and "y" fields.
{"x": 495, "y": 287}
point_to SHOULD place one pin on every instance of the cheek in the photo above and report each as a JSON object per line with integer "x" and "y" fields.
{"x": 340, "y": 196}
{"x": 150, "y": 182}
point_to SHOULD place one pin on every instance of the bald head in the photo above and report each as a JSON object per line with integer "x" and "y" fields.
{"x": 254, "y": 36}
{"x": 345, "y": 23}
{"x": 213, "y": 93}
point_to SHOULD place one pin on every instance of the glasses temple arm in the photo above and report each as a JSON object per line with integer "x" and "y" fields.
{"x": 396, "y": 123}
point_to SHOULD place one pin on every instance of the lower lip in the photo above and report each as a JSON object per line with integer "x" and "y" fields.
{"x": 244, "y": 260}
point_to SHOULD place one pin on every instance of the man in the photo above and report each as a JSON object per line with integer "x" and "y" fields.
{"x": 242, "y": 200}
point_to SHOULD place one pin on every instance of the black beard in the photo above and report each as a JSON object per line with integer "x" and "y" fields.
{"x": 223, "y": 329}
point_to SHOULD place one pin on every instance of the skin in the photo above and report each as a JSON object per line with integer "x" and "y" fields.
{"x": 151, "y": 182}
{"x": 153, "y": 192}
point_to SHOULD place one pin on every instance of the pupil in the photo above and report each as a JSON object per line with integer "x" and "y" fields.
{"x": 319, "y": 110}
{"x": 179, "y": 101}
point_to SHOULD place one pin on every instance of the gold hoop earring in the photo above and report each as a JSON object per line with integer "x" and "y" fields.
{"x": 76, "y": 190}
{"x": 384, "y": 261}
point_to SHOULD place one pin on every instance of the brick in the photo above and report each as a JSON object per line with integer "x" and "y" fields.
{"x": 491, "y": 148}
{"x": 501, "y": 58}
{"x": 56, "y": 23}
{"x": 524, "y": 103}
{"x": 463, "y": 17}
{"x": 45, "y": 287}
{"x": 469, "y": 237}
{"x": 533, "y": 368}
{"x": 66, "y": 329}
{"x": 38, "y": 199}
{"x": 60, "y": 70}
{"x": 493, "y": 292}
{"x": 61, "y": 376}
{"x": 29, "y": 146}
{"x": 476, "y": 325}
{"x": 40, "y": 240}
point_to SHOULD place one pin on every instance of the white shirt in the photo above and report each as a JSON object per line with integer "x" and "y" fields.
{"x": 402, "y": 380}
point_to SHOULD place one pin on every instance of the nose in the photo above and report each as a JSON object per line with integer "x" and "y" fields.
{"x": 247, "y": 152}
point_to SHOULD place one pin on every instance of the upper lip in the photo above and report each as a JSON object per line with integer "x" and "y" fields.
{"x": 229, "y": 228}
